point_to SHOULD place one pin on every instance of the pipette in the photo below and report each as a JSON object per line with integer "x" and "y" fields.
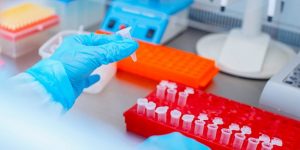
{"x": 271, "y": 10}
{"x": 223, "y": 5}
{"x": 150, "y": 110}
{"x": 175, "y": 116}
{"x": 126, "y": 34}
{"x": 141, "y": 105}
{"x": 187, "y": 122}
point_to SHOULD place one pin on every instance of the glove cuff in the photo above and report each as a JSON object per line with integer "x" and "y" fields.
{"x": 52, "y": 75}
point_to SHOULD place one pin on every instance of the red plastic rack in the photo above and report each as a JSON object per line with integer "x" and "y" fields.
{"x": 260, "y": 121}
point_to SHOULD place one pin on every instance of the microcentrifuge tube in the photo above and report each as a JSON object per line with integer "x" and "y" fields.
{"x": 150, "y": 110}
{"x": 225, "y": 136}
{"x": 172, "y": 85}
{"x": 187, "y": 122}
{"x": 162, "y": 113}
{"x": 252, "y": 144}
{"x": 266, "y": 146}
{"x": 164, "y": 83}
{"x": 141, "y": 105}
{"x": 126, "y": 33}
{"x": 182, "y": 98}
{"x": 189, "y": 90}
{"x": 239, "y": 139}
{"x": 171, "y": 94}
{"x": 160, "y": 91}
{"x": 212, "y": 131}
{"x": 199, "y": 127}
{"x": 175, "y": 117}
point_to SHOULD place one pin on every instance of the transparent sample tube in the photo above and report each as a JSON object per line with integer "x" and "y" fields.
{"x": 160, "y": 91}
{"x": 175, "y": 117}
{"x": 239, "y": 139}
{"x": 252, "y": 144}
{"x": 189, "y": 90}
{"x": 162, "y": 113}
{"x": 171, "y": 94}
{"x": 187, "y": 122}
{"x": 225, "y": 136}
{"x": 150, "y": 110}
{"x": 141, "y": 105}
{"x": 212, "y": 131}
{"x": 126, "y": 33}
{"x": 172, "y": 85}
{"x": 266, "y": 146}
{"x": 199, "y": 127}
{"x": 182, "y": 98}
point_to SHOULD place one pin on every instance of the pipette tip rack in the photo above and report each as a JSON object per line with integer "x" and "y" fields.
{"x": 25, "y": 19}
{"x": 220, "y": 123}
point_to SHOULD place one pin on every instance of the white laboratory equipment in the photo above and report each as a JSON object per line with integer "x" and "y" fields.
{"x": 107, "y": 72}
{"x": 281, "y": 94}
{"x": 247, "y": 51}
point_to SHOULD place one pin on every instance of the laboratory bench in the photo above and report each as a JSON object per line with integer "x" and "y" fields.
{"x": 124, "y": 89}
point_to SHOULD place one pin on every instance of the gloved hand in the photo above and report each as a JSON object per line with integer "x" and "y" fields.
{"x": 172, "y": 141}
{"x": 74, "y": 61}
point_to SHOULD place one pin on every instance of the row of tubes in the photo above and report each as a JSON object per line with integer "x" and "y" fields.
{"x": 168, "y": 91}
{"x": 160, "y": 114}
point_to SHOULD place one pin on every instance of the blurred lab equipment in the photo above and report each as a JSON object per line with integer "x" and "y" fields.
{"x": 247, "y": 52}
{"x": 76, "y": 13}
{"x": 151, "y": 20}
{"x": 24, "y": 27}
{"x": 282, "y": 92}
{"x": 106, "y": 72}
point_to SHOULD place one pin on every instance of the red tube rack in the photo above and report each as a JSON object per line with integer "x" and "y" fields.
{"x": 260, "y": 121}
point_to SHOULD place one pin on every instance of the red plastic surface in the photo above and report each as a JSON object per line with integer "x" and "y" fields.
{"x": 260, "y": 121}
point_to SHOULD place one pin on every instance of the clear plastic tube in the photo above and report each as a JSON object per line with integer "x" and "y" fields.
{"x": 126, "y": 33}
{"x": 162, "y": 114}
{"x": 225, "y": 136}
{"x": 175, "y": 117}
{"x": 212, "y": 131}
{"x": 150, "y": 110}
{"x": 239, "y": 139}
{"x": 266, "y": 146}
{"x": 141, "y": 105}
{"x": 171, "y": 95}
{"x": 252, "y": 144}
{"x": 187, "y": 122}
{"x": 199, "y": 127}
{"x": 182, "y": 98}
{"x": 160, "y": 91}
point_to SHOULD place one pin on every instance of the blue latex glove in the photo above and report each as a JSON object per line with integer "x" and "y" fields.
{"x": 68, "y": 71}
{"x": 172, "y": 141}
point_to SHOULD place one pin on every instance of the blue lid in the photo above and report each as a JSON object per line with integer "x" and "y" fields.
{"x": 166, "y": 6}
